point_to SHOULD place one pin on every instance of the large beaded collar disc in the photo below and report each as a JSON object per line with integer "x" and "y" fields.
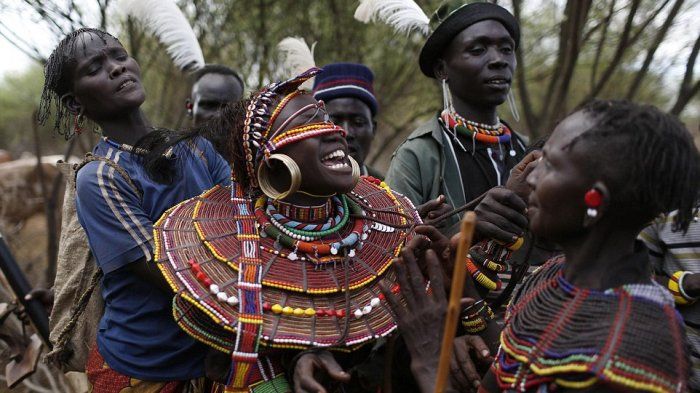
{"x": 246, "y": 276}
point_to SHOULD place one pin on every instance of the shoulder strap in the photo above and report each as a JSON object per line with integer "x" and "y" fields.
{"x": 89, "y": 157}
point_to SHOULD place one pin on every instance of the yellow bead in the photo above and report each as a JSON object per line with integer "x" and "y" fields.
{"x": 298, "y": 312}
{"x": 517, "y": 244}
{"x": 277, "y": 309}
{"x": 310, "y": 312}
{"x": 288, "y": 310}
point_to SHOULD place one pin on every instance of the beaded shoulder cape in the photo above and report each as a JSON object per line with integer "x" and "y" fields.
{"x": 630, "y": 337}
{"x": 331, "y": 303}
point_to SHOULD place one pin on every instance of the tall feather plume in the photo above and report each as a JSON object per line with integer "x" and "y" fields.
{"x": 298, "y": 57}
{"x": 404, "y": 16}
{"x": 165, "y": 20}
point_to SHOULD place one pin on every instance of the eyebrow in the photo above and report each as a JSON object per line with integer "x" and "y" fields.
{"x": 108, "y": 50}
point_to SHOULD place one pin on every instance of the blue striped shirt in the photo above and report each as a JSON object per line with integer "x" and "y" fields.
{"x": 137, "y": 335}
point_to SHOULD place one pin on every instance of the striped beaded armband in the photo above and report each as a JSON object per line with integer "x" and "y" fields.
{"x": 675, "y": 285}
{"x": 476, "y": 321}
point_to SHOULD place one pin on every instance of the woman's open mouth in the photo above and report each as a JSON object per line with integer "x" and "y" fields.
{"x": 336, "y": 160}
{"x": 126, "y": 84}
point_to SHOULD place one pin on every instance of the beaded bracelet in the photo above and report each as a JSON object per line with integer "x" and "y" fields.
{"x": 675, "y": 286}
{"x": 476, "y": 321}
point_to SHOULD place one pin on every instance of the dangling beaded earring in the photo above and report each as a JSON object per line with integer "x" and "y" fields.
{"x": 511, "y": 104}
{"x": 446, "y": 97}
{"x": 593, "y": 199}
{"x": 78, "y": 123}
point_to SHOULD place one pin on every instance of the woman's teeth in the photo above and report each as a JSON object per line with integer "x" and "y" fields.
{"x": 336, "y": 154}
{"x": 335, "y": 160}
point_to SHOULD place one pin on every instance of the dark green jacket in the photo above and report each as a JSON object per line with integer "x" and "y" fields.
{"x": 425, "y": 166}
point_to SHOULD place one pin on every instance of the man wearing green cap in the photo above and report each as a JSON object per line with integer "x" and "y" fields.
{"x": 466, "y": 149}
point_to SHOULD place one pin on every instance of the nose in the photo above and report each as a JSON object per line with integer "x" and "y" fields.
{"x": 497, "y": 59}
{"x": 116, "y": 70}
{"x": 347, "y": 127}
{"x": 532, "y": 177}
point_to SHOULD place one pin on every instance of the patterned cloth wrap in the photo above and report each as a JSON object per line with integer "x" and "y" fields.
{"x": 628, "y": 338}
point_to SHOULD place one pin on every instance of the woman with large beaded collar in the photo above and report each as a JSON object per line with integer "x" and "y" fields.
{"x": 292, "y": 255}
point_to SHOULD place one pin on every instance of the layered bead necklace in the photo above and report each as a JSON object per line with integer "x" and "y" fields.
{"x": 494, "y": 134}
{"x": 306, "y": 238}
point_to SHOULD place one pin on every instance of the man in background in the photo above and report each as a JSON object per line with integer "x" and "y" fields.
{"x": 347, "y": 89}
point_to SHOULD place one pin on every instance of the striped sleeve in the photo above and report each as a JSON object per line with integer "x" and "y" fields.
{"x": 110, "y": 211}
{"x": 652, "y": 240}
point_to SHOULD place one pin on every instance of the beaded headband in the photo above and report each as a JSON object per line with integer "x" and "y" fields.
{"x": 259, "y": 140}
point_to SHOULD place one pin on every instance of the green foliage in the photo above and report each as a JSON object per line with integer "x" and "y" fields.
{"x": 19, "y": 96}
{"x": 244, "y": 35}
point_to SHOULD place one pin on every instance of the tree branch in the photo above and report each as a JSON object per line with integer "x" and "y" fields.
{"x": 601, "y": 42}
{"x": 688, "y": 90}
{"x": 619, "y": 51}
{"x": 658, "y": 39}
{"x": 523, "y": 92}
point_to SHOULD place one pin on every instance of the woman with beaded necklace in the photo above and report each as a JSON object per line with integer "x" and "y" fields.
{"x": 289, "y": 259}
{"x": 592, "y": 319}
{"x": 138, "y": 345}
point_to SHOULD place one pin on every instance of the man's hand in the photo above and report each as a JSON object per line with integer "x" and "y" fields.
{"x": 517, "y": 182}
{"x": 433, "y": 209}
{"x": 501, "y": 216}
{"x": 310, "y": 365}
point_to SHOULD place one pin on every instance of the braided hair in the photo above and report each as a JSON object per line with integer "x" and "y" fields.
{"x": 646, "y": 157}
{"x": 58, "y": 80}
{"x": 159, "y": 165}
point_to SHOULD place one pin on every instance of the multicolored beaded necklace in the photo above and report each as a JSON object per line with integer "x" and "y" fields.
{"x": 307, "y": 240}
{"x": 575, "y": 337}
{"x": 486, "y": 133}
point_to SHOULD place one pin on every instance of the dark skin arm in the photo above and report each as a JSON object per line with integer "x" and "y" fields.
{"x": 691, "y": 284}
{"x": 424, "y": 315}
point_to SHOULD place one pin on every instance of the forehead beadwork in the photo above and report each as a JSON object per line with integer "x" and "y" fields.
{"x": 260, "y": 115}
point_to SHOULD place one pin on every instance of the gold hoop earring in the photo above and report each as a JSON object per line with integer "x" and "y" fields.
{"x": 355, "y": 170}
{"x": 294, "y": 174}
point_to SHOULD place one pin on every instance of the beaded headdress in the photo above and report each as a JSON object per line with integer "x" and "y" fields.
{"x": 259, "y": 139}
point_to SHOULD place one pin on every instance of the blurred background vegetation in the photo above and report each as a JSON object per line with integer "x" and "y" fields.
{"x": 572, "y": 50}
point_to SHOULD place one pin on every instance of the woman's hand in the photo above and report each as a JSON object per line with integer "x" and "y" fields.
{"x": 310, "y": 365}
{"x": 422, "y": 320}
{"x": 464, "y": 376}
{"x": 501, "y": 216}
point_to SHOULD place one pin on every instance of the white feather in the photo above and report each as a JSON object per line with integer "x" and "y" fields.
{"x": 165, "y": 20}
{"x": 298, "y": 57}
{"x": 403, "y": 15}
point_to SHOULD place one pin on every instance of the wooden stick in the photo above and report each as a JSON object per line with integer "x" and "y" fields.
{"x": 458, "y": 275}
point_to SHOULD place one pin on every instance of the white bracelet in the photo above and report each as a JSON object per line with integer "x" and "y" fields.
{"x": 681, "y": 290}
